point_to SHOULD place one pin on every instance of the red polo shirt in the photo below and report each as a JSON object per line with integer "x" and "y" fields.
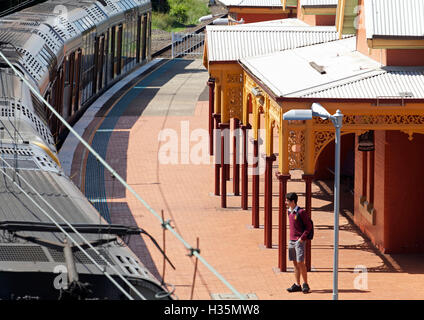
{"x": 299, "y": 229}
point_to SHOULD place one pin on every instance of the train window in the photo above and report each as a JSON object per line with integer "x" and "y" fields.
{"x": 119, "y": 50}
{"x": 71, "y": 82}
{"x": 78, "y": 65}
{"x": 149, "y": 33}
{"x": 100, "y": 61}
{"x": 96, "y": 64}
{"x": 129, "y": 45}
{"x": 144, "y": 38}
{"x": 124, "y": 46}
{"x": 113, "y": 48}
{"x": 106, "y": 65}
{"x": 134, "y": 37}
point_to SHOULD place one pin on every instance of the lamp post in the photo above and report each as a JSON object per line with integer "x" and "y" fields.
{"x": 337, "y": 119}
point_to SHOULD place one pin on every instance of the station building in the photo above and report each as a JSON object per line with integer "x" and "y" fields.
{"x": 313, "y": 12}
{"x": 250, "y": 11}
{"x": 374, "y": 74}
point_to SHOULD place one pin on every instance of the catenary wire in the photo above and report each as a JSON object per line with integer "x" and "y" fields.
{"x": 120, "y": 179}
{"x": 64, "y": 232}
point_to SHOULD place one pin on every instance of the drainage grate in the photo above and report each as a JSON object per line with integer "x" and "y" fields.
{"x": 22, "y": 253}
{"x": 227, "y": 296}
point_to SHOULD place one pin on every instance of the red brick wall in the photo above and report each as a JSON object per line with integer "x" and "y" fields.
{"x": 405, "y": 192}
{"x": 398, "y": 192}
{"x": 404, "y": 57}
{"x": 374, "y": 232}
{"x": 252, "y": 17}
{"x": 321, "y": 20}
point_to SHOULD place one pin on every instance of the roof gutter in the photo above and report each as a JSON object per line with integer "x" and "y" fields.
{"x": 328, "y": 10}
{"x": 383, "y": 101}
{"x": 382, "y": 42}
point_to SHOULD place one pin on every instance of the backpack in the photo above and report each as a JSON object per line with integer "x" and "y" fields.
{"x": 311, "y": 234}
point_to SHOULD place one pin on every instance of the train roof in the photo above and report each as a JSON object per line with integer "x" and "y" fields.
{"x": 54, "y": 187}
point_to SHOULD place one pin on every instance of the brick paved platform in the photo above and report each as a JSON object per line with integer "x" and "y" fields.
{"x": 227, "y": 241}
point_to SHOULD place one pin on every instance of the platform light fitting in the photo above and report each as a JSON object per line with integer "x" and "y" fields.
{"x": 366, "y": 141}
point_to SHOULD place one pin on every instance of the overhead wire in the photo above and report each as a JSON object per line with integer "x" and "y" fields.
{"x": 122, "y": 181}
{"x": 60, "y": 216}
{"x": 14, "y": 8}
{"x": 74, "y": 230}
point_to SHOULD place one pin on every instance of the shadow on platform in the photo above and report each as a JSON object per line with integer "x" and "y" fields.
{"x": 131, "y": 104}
{"x": 392, "y": 263}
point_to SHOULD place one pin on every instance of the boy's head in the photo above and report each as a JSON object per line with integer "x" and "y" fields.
{"x": 291, "y": 200}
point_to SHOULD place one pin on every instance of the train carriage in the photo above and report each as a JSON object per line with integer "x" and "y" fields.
{"x": 71, "y": 51}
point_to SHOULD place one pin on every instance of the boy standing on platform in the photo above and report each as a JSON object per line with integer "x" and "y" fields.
{"x": 300, "y": 227}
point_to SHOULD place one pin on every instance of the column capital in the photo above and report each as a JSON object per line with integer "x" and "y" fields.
{"x": 217, "y": 116}
{"x": 272, "y": 157}
{"x": 224, "y": 125}
{"x": 282, "y": 177}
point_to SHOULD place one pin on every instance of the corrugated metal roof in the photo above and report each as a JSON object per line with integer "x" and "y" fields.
{"x": 227, "y": 43}
{"x": 394, "y": 18}
{"x": 319, "y": 3}
{"x": 251, "y": 3}
{"x": 348, "y": 73}
{"x": 395, "y": 82}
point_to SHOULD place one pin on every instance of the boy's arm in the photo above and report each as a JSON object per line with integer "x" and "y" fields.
{"x": 306, "y": 223}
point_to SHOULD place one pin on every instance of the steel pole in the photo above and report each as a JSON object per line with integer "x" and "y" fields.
{"x": 337, "y": 120}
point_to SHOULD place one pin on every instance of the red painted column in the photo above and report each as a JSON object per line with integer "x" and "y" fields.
{"x": 244, "y": 167}
{"x": 217, "y": 118}
{"x": 227, "y": 152}
{"x": 282, "y": 221}
{"x": 211, "y": 84}
{"x": 308, "y": 205}
{"x": 255, "y": 185}
{"x": 268, "y": 201}
{"x": 225, "y": 127}
{"x": 236, "y": 157}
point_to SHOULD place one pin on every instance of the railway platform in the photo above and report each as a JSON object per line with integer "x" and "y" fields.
{"x": 135, "y": 132}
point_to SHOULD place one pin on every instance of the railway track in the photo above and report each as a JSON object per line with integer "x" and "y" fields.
{"x": 166, "y": 51}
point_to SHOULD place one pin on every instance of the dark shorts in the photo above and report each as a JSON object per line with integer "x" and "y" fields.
{"x": 296, "y": 251}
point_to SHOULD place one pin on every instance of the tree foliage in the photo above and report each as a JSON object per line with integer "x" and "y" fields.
{"x": 161, "y": 6}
